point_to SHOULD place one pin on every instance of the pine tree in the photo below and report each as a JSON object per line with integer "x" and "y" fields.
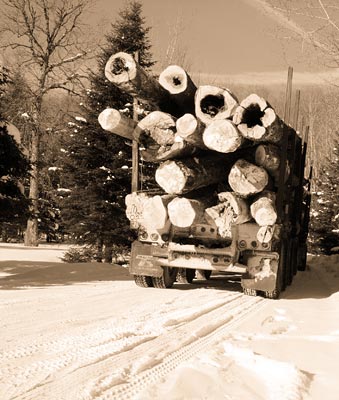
{"x": 324, "y": 232}
{"x": 13, "y": 169}
{"x": 96, "y": 164}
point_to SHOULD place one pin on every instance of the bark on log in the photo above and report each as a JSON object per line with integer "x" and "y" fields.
{"x": 191, "y": 130}
{"x": 222, "y": 136}
{"x": 184, "y": 212}
{"x": 212, "y": 103}
{"x": 123, "y": 71}
{"x": 265, "y": 234}
{"x": 150, "y": 212}
{"x": 231, "y": 209}
{"x": 247, "y": 179}
{"x": 113, "y": 121}
{"x": 182, "y": 176}
{"x": 180, "y": 87}
{"x": 263, "y": 209}
{"x": 257, "y": 121}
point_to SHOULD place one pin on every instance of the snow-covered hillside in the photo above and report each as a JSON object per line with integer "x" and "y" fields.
{"x": 85, "y": 331}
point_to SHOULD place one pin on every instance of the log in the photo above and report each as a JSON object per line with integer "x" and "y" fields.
{"x": 113, "y": 121}
{"x": 158, "y": 126}
{"x": 257, "y": 120}
{"x": 157, "y": 135}
{"x": 222, "y": 136}
{"x": 212, "y": 103}
{"x": 263, "y": 209}
{"x": 231, "y": 209}
{"x": 182, "y": 176}
{"x": 180, "y": 87}
{"x": 268, "y": 156}
{"x": 247, "y": 179}
{"x": 184, "y": 212}
{"x": 150, "y": 212}
{"x": 191, "y": 130}
{"x": 123, "y": 71}
{"x": 265, "y": 234}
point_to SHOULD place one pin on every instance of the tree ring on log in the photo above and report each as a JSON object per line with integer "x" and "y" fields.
{"x": 120, "y": 68}
{"x": 222, "y": 136}
{"x": 173, "y": 79}
{"x": 212, "y": 102}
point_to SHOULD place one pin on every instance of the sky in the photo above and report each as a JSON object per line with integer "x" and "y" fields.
{"x": 218, "y": 36}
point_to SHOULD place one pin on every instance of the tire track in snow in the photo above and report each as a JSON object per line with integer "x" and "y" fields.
{"x": 38, "y": 365}
{"x": 198, "y": 341}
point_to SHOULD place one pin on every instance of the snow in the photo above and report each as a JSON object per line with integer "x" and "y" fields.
{"x": 86, "y": 331}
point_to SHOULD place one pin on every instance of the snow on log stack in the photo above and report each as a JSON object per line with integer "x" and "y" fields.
{"x": 218, "y": 159}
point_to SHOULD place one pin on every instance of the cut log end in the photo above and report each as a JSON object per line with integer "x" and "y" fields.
{"x": 186, "y": 125}
{"x": 222, "y": 136}
{"x": 173, "y": 79}
{"x": 120, "y": 68}
{"x": 213, "y": 103}
{"x": 170, "y": 177}
{"x": 109, "y": 119}
{"x": 247, "y": 179}
{"x": 184, "y": 212}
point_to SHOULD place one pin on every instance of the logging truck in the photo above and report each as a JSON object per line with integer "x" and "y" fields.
{"x": 232, "y": 195}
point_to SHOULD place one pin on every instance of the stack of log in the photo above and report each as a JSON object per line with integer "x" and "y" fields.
{"x": 218, "y": 158}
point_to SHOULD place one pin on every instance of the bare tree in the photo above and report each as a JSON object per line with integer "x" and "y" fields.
{"x": 48, "y": 37}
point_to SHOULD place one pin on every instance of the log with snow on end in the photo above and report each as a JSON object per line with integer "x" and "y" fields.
{"x": 257, "y": 121}
{"x": 191, "y": 130}
{"x": 150, "y": 212}
{"x": 222, "y": 136}
{"x": 182, "y": 176}
{"x": 247, "y": 179}
{"x": 113, "y": 121}
{"x": 123, "y": 71}
{"x": 184, "y": 212}
{"x": 212, "y": 102}
{"x": 180, "y": 87}
{"x": 232, "y": 209}
{"x": 263, "y": 209}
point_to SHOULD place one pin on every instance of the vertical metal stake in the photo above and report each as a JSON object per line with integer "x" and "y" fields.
{"x": 135, "y": 145}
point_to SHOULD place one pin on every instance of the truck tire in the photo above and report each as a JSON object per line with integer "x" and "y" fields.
{"x": 167, "y": 279}
{"x": 185, "y": 275}
{"x": 143, "y": 281}
{"x": 249, "y": 292}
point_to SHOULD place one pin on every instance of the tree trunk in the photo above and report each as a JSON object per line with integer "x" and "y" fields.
{"x": 191, "y": 130}
{"x": 231, "y": 210}
{"x": 263, "y": 209}
{"x": 180, "y": 86}
{"x": 149, "y": 212}
{"x": 123, "y": 71}
{"x": 184, "y": 212}
{"x": 222, "y": 136}
{"x": 182, "y": 176}
{"x": 257, "y": 121}
{"x": 247, "y": 179}
{"x": 108, "y": 252}
{"x": 212, "y": 103}
{"x": 32, "y": 233}
{"x": 113, "y": 121}
{"x": 157, "y": 135}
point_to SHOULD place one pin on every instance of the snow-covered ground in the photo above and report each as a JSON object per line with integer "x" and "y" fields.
{"x": 85, "y": 331}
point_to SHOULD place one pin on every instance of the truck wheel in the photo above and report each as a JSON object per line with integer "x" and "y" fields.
{"x": 143, "y": 281}
{"x": 185, "y": 275}
{"x": 204, "y": 274}
{"x": 167, "y": 279}
{"x": 249, "y": 292}
{"x": 274, "y": 294}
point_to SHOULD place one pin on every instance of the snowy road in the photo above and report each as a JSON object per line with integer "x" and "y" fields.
{"x": 85, "y": 331}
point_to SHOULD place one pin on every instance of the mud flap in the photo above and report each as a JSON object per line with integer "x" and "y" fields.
{"x": 147, "y": 259}
{"x": 262, "y": 272}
